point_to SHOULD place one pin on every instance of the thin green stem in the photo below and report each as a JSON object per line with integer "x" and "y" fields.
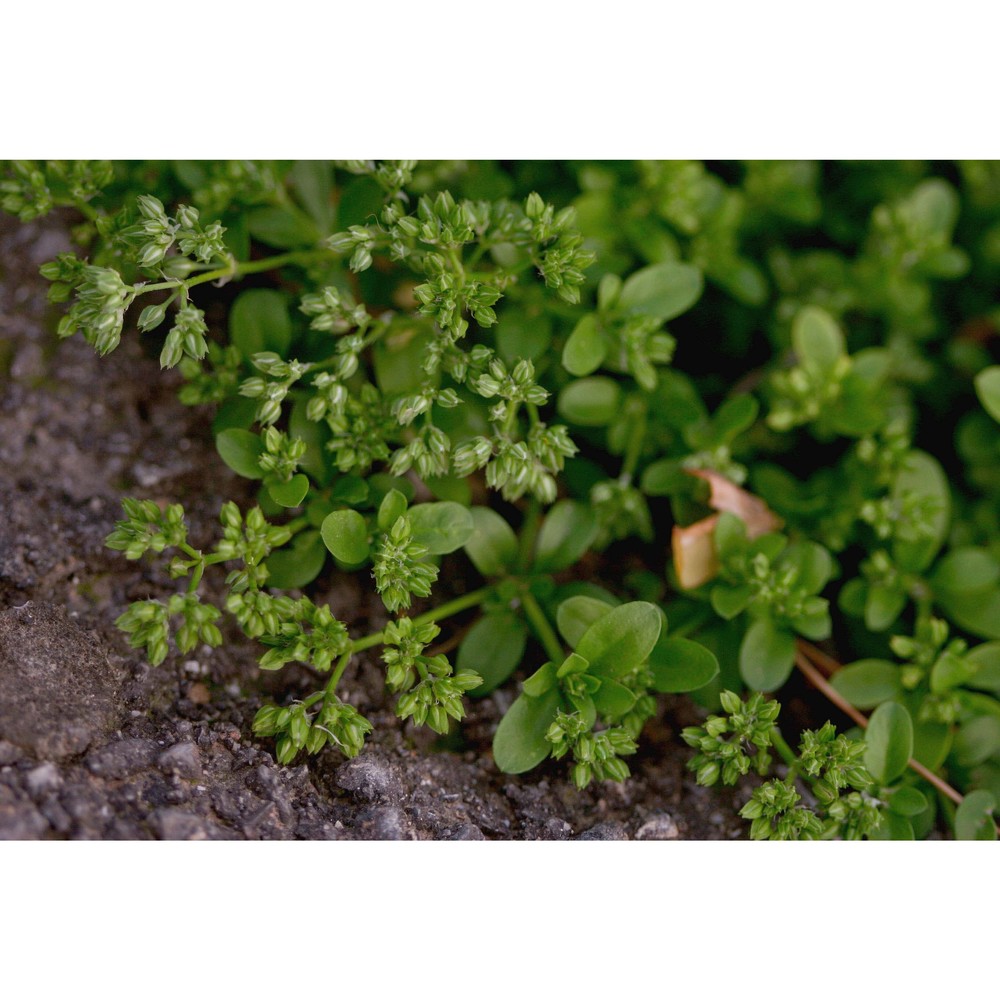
{"x": 786, "y": 752}
{"x": 331, "y": 684}
{"x": 508, "y": 424}
{"x": 446, "y": 610}
{"x": 455, "y": 256}
{"x": 633, "y": 447}
{"x": 543, "y": 630}
{"x": 238, "y": 269}
{"x": 529, "y": 532}
{"x": 199, "y": 572}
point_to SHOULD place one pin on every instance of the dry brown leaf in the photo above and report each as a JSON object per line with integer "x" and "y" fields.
{"x": 727, "y": 496}
{"x": 694, "y": 552}
{"x": 695, "y": 559}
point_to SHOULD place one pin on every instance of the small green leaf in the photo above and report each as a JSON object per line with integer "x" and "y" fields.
{"x": 931, "y": 743}
{"x": 345, "y": 534}
{"x": 883, "y": 605}
{"x": 986, "y": 660}
{"x": 964, "y": 570}
{"x": 351, "y": 490}
{"x": 988, "y": 390}
{"x": 664, "y": 477}
{"x": 950, "y": 671}
{"x": 977, "y": 740}
{"x": 259, "y": 321}
{"x": 542, "y": 680}
{"x": 392, "y": 507}
{"x": 922, "y": 476}
{"x": 520, "y": 744}
{"x": 573, "y": 664}
{"x": 662, "y": 290}
{"x": 566, "y": 533}
{"x": 284, "y": 228}
{"x": 729, "y": 600}
{"x": 442, "y": 527}
{"x": 621, "y": 640}
{"x": 867, "y": 683}
{"x": 586, "y": 348}
{"x": 977, "y": 612}
{"x": 292, "y": 493}
{"x": 817, "y": 339}
{"x": 576, "y": 614}
{"x": 681, "y": 665}
{"x": 493, "y": 648}
{"x": 313, "y": 183}
{"x": 734, "y": 417}
{"x": 452, "y": 488}
{"x": 590, "y": 402}
{"x": 241, "y": 451}
{"x": 613, "y": 700}
{"x": 974, "y": 817}
{"x": 298, "y": 564}
{"x": 767, "y": 655}
{"x": 888, "y": 742}
{"x": 492, "y": 546}
{"x": 893, "y": 827}
{"x": 907, "y": 801}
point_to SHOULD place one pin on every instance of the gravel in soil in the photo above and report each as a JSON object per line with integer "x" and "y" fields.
{"x": 97, "y": 744}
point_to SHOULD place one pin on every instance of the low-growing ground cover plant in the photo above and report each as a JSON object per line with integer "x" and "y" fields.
{"x": 674, "y": 427}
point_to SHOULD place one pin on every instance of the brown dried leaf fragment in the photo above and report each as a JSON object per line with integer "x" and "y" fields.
{"x": 695, "y": 560}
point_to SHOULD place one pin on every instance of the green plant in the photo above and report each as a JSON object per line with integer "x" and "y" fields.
{"x": 528, "y": 369}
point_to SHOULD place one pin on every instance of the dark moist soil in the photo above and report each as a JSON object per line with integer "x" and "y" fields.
{"x": 97, "y": 744}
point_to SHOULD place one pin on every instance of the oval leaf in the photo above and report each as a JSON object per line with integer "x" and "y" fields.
{"x": 817, "y": 339}
{"x": 577, "y": 614}
{"x": 621, "y": 640}
{"x": 442, "y": 527}
{"x": 259, "y": 321}
{"x": 613, "y": 700}
{"x": 662, "y": 290}
{"x": 566, "y": 533}
{"x": 590, "y": 402}
{"x": 241, "y": 451}
{"x": 519, "y": 743}
{"x": 292, "y": 493}
{"x": 493, "y": 648}
{"x": 586, "y": 348}
{"x": 680, "y": 665}
{"x": 888, "y": 742}
{"x": 988, "y": 390}
{"x": 767, "y": 655}
{"x": 345, "y": 534}
{"x": 907, "y": 801}
{"x": 298, "y": 564}
{"x": 974, "y": 817}
{"x": 964, "y": 570}
{"x": 921, "y": 476}
{"x": 492, "y": 546}
{"x": 868, "y": 683}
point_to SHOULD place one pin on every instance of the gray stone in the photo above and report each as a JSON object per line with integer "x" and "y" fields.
{"x": 125, "y": 757}
{"x": 371, "y": 777}
{"x": 658, "y": 827}
{"x": 387, "y": 823}
{"x": 183, "y": 759}
{"x": 608, "y": 830}
{"x": 179, "y": 824}
{"x": 57, "y": 688}
{"x": 44, "y": 778}
{"x": 467, "y": 831}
